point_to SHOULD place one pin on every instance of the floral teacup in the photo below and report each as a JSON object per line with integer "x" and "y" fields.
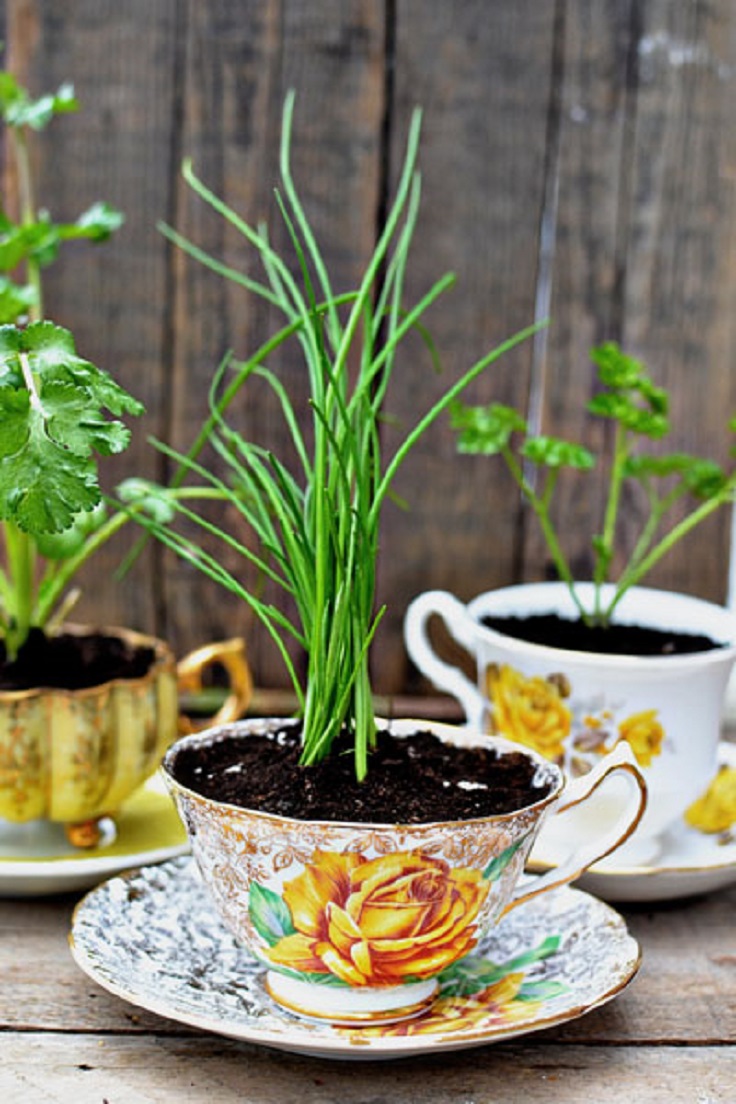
{"x": 73, "y": 757}
{"x": 355, "y": 922}
{"x": 574, "y": 706}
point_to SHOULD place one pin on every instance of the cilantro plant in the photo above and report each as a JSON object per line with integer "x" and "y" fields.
{"x": 54, "y": 405}
{"x": 317, "y": 520}
{"x": 639, "y": 411}
{"x": 31, "y": 240}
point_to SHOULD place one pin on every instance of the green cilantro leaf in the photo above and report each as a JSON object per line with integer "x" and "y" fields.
{"x": 74, "y": 418}
{"x": 155, "y": 501}
{"x": 53, "y": 352}
{"x": 19, "y": 109}
{"x": 15, "y": 299}
{"x": 43, "y": 485}
{"x": 98, "y": 222}
{"x": 54, "y": 408}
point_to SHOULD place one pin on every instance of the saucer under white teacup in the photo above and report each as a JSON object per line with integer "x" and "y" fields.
{"x": 684, "y": 862}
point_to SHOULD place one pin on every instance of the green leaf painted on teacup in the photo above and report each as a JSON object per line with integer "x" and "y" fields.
{"x": 541, "y": 990}
{"x": 475, "y": 973}
{"x": 496, "y": 866}
{"x": 330, "y": 980}
{"x": 269, "y": 915}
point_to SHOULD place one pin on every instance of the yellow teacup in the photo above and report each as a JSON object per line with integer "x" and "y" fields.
{"x": 74, "y": 756}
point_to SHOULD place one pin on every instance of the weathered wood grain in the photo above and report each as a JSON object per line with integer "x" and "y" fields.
{"x": 577, "y": 158}
{"x": 645, "y": 206}
{"x": 679, "y": 244}
{"x": 590, "y": 109}
{"x": 482, "y": 74}
{"x": 241, "y": 64}
{"x": 50, "y": 1069}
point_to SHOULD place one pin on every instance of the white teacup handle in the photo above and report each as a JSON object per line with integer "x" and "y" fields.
{"x": 443, "y": 675}
{"x": 622, "y": 762}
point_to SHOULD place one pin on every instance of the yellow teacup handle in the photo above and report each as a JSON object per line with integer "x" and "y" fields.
{"x": 229, "y": 654}
{"x": 620, "y": 761}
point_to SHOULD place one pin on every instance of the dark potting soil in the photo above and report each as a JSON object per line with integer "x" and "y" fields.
{"x": 413, "y": 780}
{"x": 616, "y": 639}
{"x": 72, "y": 662}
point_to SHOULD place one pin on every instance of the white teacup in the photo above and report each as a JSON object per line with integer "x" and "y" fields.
{"x": 575, "y": 706}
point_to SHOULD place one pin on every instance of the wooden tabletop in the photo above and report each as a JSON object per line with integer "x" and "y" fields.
{"x": 669, "y": 1037}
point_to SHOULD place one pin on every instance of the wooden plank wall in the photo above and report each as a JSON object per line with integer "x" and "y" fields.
{"x": 578, "y": 160}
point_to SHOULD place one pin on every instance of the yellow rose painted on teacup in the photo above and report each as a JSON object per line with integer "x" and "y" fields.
{"x": 478, "y": 993}
{"x": 373, "y": 921}
{"x": 531, "y": 711}
{"x": 715, "y": 810}
{"x": 644, "y": 734}
{"x": 500, "y": 1003}
{"x": 540, "y": 713}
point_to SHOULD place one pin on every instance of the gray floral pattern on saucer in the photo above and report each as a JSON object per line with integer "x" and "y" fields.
{"x": 153, "y": 938}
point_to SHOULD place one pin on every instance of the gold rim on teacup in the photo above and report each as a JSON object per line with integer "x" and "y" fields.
{"x": 355, "y": 923}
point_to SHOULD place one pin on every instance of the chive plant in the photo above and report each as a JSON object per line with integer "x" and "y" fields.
{"x": 317, "y": 523}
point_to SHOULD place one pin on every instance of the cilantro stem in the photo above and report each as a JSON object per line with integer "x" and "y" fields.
{"x": 30, "y": 383}
{"x": 49, "y": 471}
{"x": 21, "y": 559}
{"x": 65, "y": 570}
{"x": 28, "y": 216}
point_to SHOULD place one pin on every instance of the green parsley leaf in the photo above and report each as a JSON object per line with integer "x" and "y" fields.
{"x": 615, "y": 368}
{"x": 556, "y": 453}
{"x": 485, "y": 429}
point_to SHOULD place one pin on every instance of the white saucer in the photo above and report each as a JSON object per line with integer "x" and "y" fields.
{"x": 37, "y": 860}
{"x": 688, "y": 862}
{"x": 153, "y": 938}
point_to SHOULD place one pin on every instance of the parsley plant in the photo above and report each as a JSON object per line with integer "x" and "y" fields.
{"x": 640, "y": 411}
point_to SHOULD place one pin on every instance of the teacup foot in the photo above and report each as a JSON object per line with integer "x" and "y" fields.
{"x": 95, "y": 832}
{"x": 350, "y": 1007}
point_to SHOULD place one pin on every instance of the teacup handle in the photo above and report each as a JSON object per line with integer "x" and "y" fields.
{"x": 444, "y": 675}
{"x": 619, "y": 761}
{"x": 229, "y": 654}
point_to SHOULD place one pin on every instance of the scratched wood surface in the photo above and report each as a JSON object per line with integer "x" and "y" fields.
{"x": 578, "y": 162}
{"x": 669, "y": 1038}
